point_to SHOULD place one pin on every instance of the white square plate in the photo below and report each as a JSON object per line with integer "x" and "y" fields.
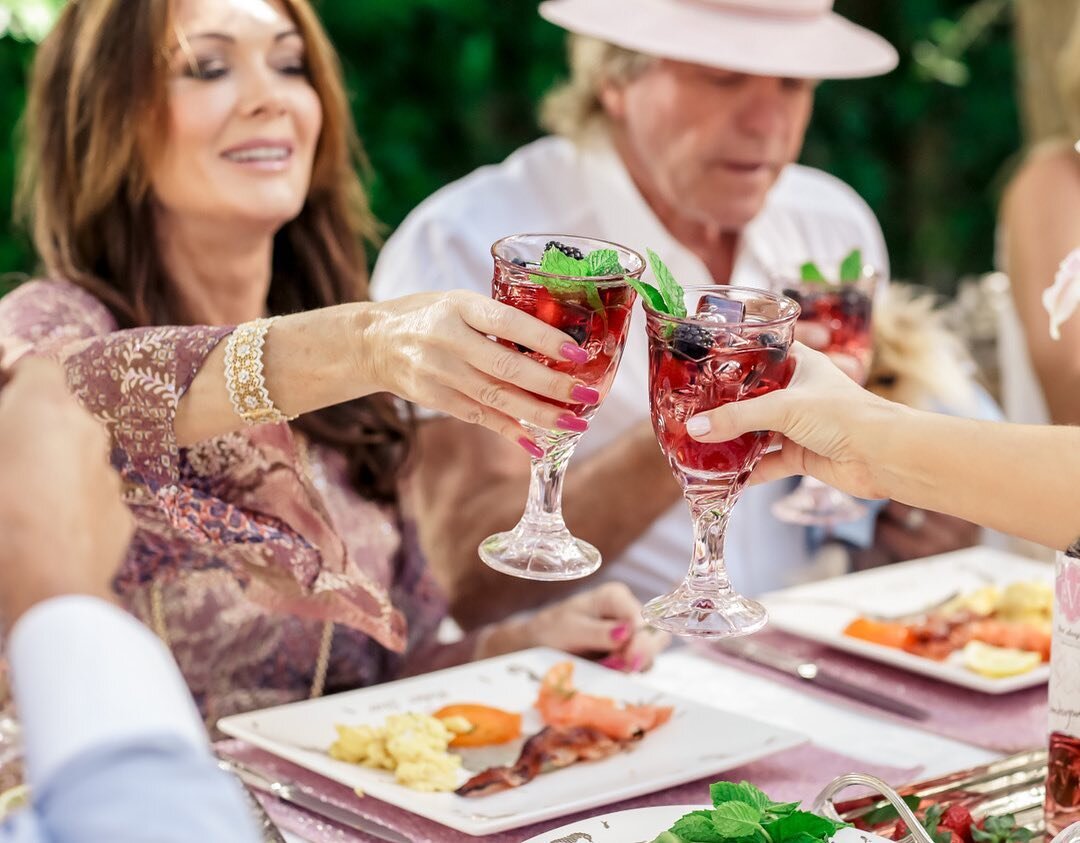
{"x": 820, "y": 611}
{"x": 698, "y": 741}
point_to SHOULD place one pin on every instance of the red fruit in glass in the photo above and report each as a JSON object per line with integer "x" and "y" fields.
{"x": 595, "y": 312}
{"x": 601, "y": 331}
{"x": 843, "y": 309}
{"x": 698, "y": 364}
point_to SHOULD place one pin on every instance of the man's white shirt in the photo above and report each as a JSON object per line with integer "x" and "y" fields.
{"x": 556, "y": 186}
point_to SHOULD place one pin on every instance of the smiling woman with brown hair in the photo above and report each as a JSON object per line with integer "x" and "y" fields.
{"x": 190, "y": 173}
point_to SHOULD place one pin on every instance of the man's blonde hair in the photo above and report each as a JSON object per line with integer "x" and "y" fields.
{"x": 574, "y": 107}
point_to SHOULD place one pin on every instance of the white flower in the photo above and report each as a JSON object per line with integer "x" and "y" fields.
{"x": 1063, "y": 298}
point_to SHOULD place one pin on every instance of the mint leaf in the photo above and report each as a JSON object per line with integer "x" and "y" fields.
{"x": 745, "y": 792}
{"x": 596, "y": 263}
{"x": 698, "y": 827}
{"x": 799, "y": 823}
{"x": 1001, "y": 829}
{"x": 810, "y": 273}
{"x": 669, "y": 288}
{"x": 649, "y": 293}
{"x": 775, "y": 810}
{"x": 852, "y": 266}
{"x": 887, "y": 813}
{"x": 557, "y": 263}
{"x": 603, "y": 262}
{"x": 670, "y": 837}
{"x": 736, "y": 819}
{"x": 802, "y": 837}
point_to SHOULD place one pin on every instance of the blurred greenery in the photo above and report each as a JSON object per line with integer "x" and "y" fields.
{"x": 440, "y": 87}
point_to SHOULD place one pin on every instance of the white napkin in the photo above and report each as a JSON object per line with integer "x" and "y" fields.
{"x": 1063, "y": 297}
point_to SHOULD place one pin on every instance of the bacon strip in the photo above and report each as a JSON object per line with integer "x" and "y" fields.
{"x": 551, "y": 748}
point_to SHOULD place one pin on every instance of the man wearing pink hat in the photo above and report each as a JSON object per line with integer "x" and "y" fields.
{"x": 678, "y": 131}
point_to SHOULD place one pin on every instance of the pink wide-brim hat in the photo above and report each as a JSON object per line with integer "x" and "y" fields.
{"x": 802, "y": 39}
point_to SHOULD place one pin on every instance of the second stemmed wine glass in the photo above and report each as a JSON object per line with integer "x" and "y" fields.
{"x": 733, "y": 346}
{"x": 843, "y": 309}
{"x": 595, "y": 311}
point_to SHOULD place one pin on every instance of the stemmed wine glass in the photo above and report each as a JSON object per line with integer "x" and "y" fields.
{"x": 843, "y": 309}
{"x": 595, "y": 311}
{"x": 733, "y": 346}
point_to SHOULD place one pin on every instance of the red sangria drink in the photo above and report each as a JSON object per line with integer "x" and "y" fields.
{"x": 732, "y": 345}
{"x": 599, "y": 327}
{"x": 843, "y": 309}
{"x": 578, "y": 285}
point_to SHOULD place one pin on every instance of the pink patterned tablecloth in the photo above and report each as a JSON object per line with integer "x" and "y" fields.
{"x": 796, "y": 774}
{"x": 1004, "y": 723}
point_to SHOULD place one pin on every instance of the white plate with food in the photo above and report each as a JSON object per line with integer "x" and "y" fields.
{"x": 618, "y": 737}
{"x": 978, "y": 618}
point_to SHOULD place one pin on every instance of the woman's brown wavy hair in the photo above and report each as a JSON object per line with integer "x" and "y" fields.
{"x": 97, "y": 105}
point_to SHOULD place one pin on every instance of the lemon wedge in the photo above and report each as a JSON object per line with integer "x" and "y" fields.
{"x": 999, "y": 662}
{"x": 14, "y": 799}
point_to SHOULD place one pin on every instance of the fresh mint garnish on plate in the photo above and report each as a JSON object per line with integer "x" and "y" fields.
{"x": 851, "y": 269}
{"x": 669, "y": 296}
{"x": 596, "y": 264}
{"x": 742, "y": 813}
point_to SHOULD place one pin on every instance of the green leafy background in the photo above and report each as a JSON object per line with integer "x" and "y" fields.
{"x": 440, "y": 87}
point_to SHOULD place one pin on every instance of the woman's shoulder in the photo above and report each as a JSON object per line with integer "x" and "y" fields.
{"x": 1049, "y": 175}
{"x": 43, "y": 310}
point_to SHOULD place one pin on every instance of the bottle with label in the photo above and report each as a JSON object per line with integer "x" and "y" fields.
{"x": 1063, "y": 771}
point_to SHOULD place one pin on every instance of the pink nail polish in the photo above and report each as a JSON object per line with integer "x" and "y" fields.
{"x": 585, "y": 394}
{"x": 574, "y": 353}
{"x": 637, "y": 663}
{"x": 569, "y": 422}
{"x": 531, "y": 448}
{"x": 614, "y": 662}
{"x": 620, "y": 633}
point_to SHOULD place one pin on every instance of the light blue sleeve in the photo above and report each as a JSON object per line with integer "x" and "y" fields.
{"x": 155, "y": 790}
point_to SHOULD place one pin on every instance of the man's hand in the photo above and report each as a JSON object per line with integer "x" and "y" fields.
{"x": 65, "y": 528}
{"x": 817, "y": 337}
{"x": 904, "y": 532}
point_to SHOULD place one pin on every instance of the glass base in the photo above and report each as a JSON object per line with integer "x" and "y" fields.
{"x": 814, "y": 504}
{"x": 552, "y": 557}
{"x": 705, "y": 614}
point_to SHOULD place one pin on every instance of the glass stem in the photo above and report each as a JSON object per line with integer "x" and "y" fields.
{"x": 710, "y": 508}
{"x": 543, "y": 510}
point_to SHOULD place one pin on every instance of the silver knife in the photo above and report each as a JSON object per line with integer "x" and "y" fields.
{"x": 288, "y": 791}
{"x": 792, "y": 665}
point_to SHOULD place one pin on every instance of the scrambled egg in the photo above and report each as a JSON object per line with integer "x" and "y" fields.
{"x": 1030, "y": 602}
{"x": 412, "y": 746}
{"x": 1023, "y": 602}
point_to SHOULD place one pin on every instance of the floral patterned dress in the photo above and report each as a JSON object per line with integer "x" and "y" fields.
{"x": 246, "y": 544}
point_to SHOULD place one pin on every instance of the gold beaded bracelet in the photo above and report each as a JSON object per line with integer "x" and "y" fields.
{"x": 244, "y": 374}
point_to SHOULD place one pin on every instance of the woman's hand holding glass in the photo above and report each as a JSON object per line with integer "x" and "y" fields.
{"x": 827, "y": 422}
{"x": 435, "y": 350}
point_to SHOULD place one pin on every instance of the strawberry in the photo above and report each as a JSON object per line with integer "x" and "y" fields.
{"x": 957, "y": 818}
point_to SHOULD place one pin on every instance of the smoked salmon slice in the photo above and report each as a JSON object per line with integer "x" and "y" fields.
{"x": 561, "y": 704}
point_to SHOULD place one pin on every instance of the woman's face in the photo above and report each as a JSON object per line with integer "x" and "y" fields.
{"x": 244, "y": 120}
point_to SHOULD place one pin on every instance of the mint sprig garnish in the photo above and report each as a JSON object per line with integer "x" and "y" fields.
{"x": 670, "y": 289}
{"x": 1001, "y": 829}
{"x": 851, "y": 269}
{"x": 668, "y": 297}
{"x": 743, "y": 814}
{"x": 598, "y": 263}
